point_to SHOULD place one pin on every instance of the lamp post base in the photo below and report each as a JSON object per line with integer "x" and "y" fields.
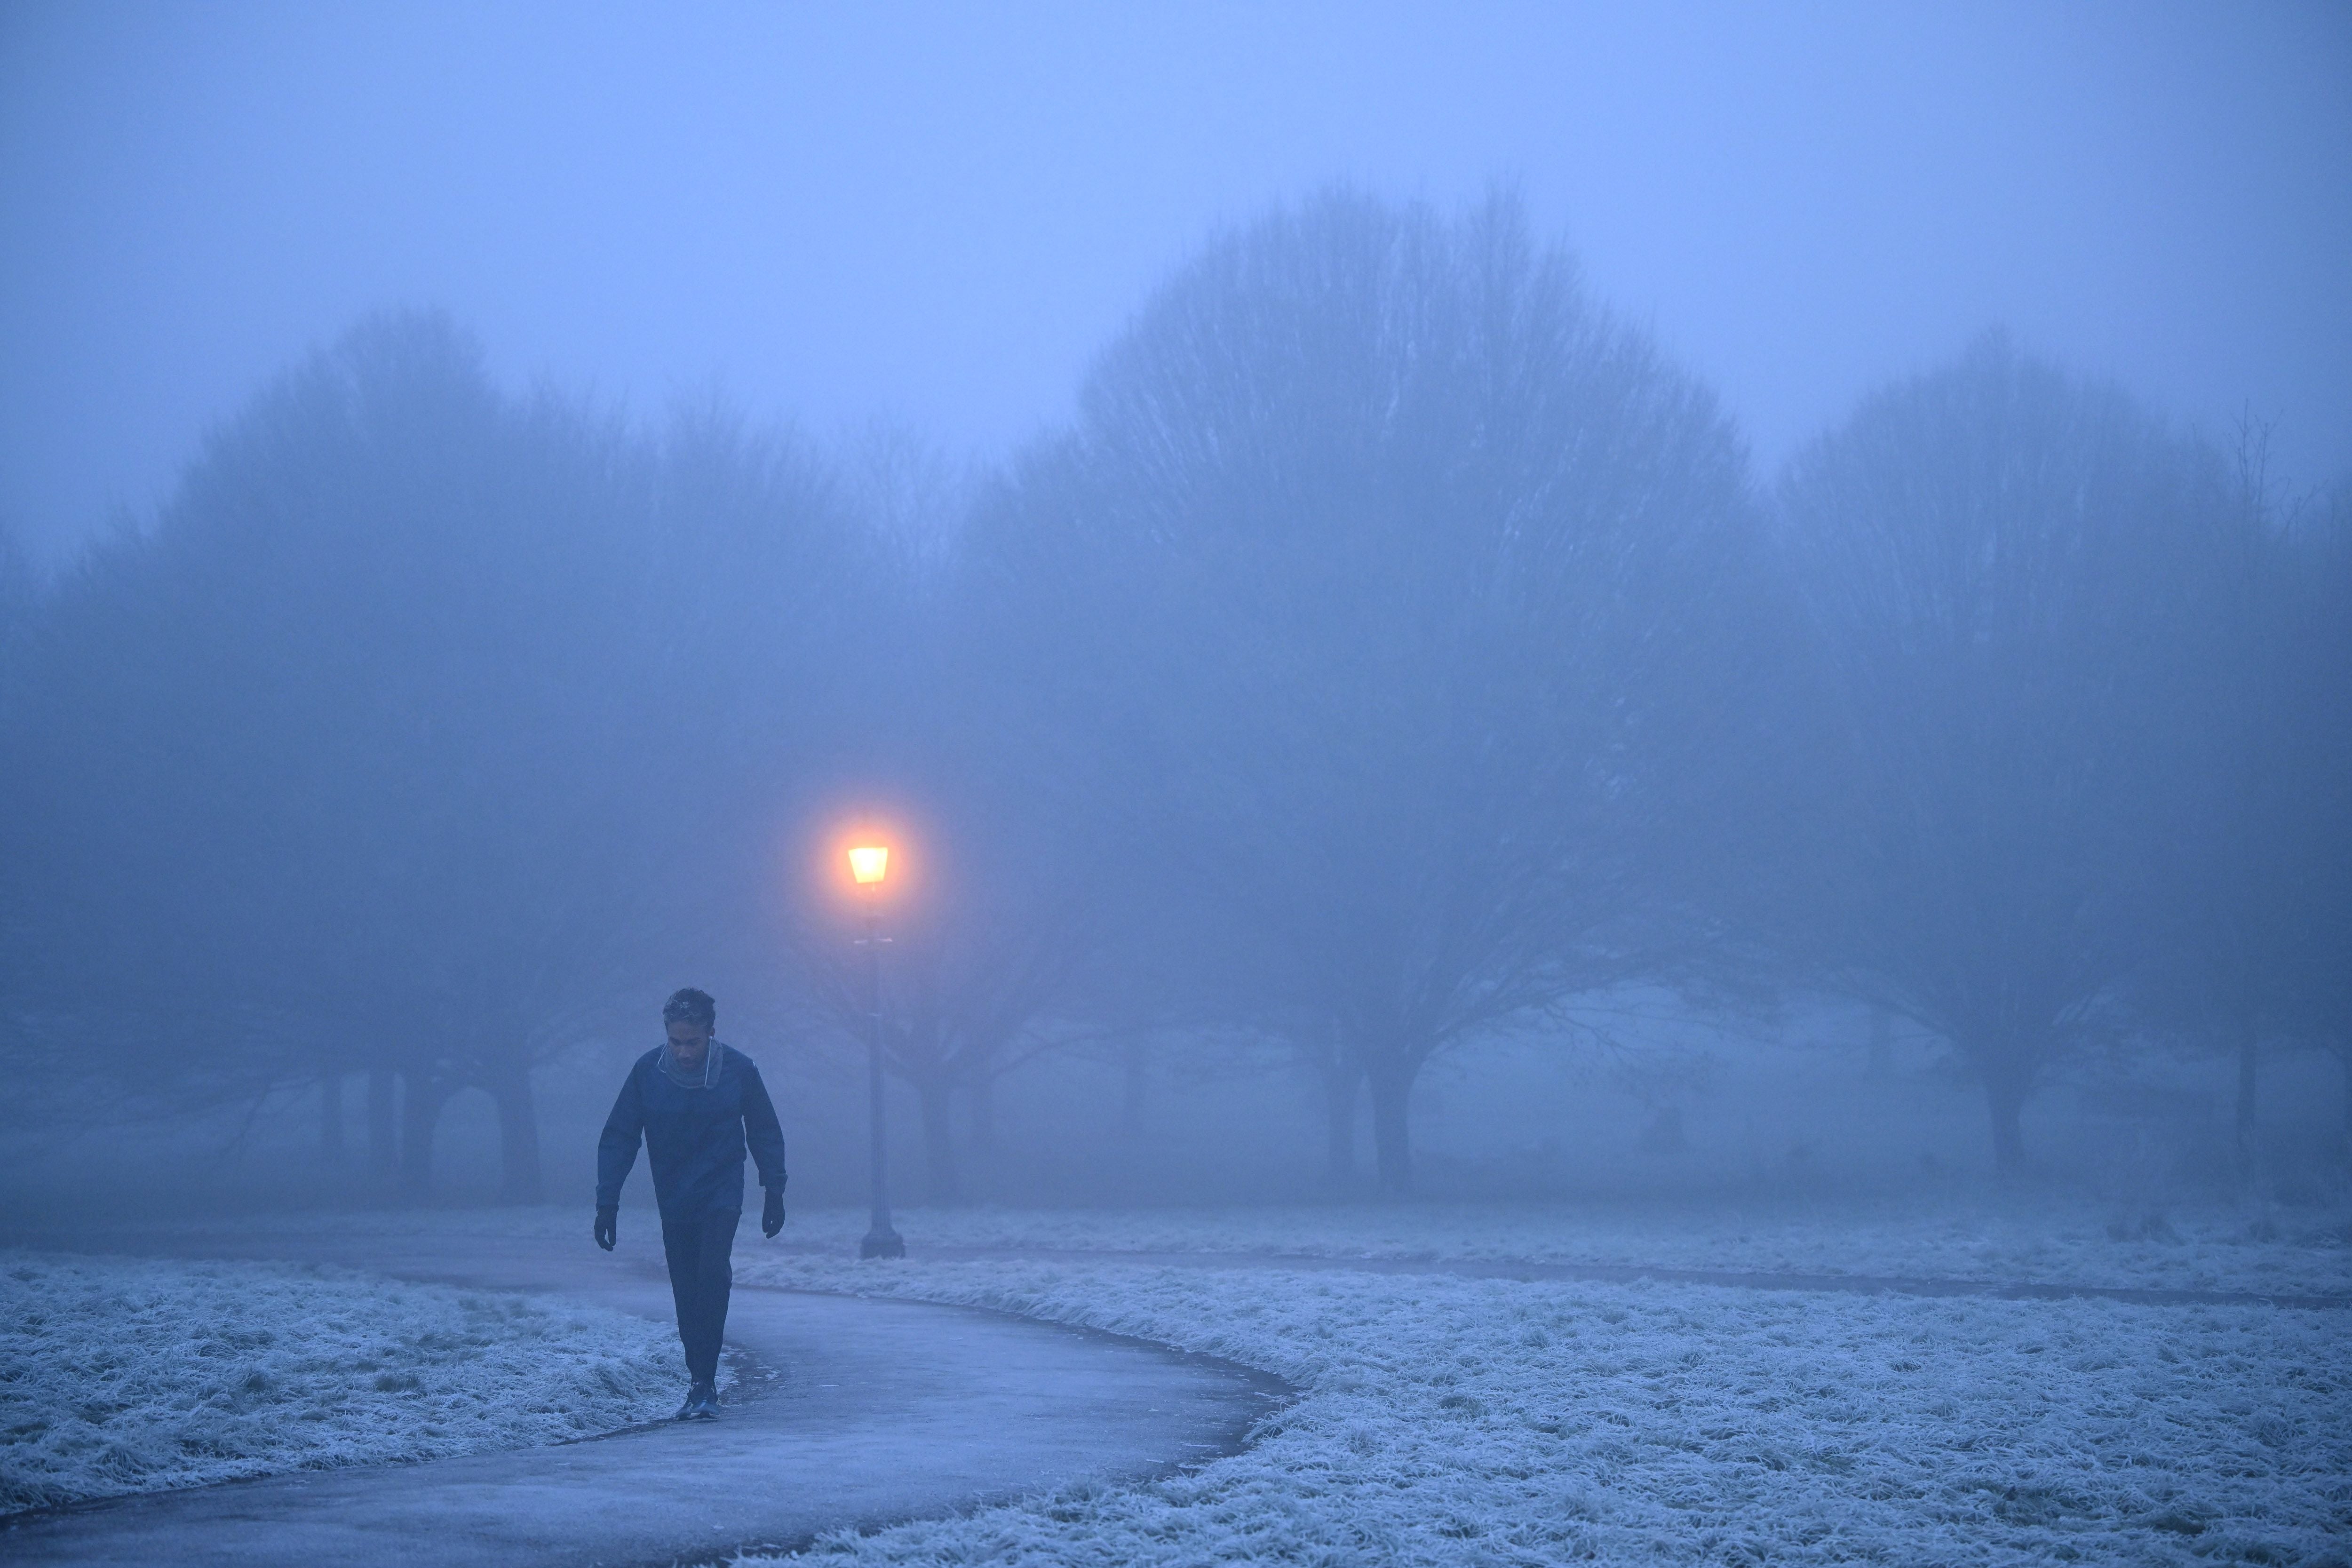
{"x": 882, "y": 1242}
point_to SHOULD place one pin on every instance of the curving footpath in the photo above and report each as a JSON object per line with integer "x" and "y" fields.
{"x": 864, "y": 1412}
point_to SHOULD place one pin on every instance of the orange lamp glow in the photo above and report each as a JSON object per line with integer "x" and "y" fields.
{"x": 868, "y": 864}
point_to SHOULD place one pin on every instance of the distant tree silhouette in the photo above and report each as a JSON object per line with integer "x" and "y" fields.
{"x": 391, "y": 747}
{"x": 2000, "y": 563}
{"x": 990, "y": 918}
{"x": 2240, "y": 785}
{"x": 2307, "y": 933}
{"x": 1374, "y": 600}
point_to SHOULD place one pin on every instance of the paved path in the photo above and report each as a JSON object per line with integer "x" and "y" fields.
{"x": 875, "y": 1411}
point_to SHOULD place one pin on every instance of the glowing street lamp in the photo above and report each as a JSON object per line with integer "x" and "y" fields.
{"x": 868, "y": 865}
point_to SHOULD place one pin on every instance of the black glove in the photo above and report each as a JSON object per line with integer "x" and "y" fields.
{"x": 772, "y": 1217}
{"x": 608, "y": 1227}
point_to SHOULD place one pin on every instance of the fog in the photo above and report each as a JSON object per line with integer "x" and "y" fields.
{"x": 1521, "y": 605}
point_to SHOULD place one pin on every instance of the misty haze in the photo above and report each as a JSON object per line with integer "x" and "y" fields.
{"x": 1404, "y": 786}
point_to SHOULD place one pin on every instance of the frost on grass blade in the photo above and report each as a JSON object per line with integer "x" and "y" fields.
{"x": 1449, "y": 1421}
{"x": 122, "y": 1375}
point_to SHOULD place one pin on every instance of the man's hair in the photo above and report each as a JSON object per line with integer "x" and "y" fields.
{"x": 690, "y": 1007}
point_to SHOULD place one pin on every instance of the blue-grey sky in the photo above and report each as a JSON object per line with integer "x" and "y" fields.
{"x": 938, "y": 213}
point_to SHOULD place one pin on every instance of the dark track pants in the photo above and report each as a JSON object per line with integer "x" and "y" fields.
{"x": 700, "y": 1275}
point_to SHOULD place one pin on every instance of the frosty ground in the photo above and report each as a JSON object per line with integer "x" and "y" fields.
{"x": 128, "y": 1374}
{"x": 1457, "y": 1421}
{"x": 2047, "y": 1237}
{"x": 2041, "y": 1237}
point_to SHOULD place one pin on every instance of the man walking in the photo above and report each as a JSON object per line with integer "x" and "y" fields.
{"x": 698, "y": 1103}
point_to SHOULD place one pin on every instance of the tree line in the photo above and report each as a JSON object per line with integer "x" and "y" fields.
{"x": 1395, "y": 648}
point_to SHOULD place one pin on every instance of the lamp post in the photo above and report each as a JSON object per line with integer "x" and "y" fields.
{"x": 868, "y": 865}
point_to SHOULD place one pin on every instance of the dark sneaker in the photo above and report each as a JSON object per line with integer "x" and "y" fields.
{"x": 686, "y": 1411}
{"x": 702, "y": 1403}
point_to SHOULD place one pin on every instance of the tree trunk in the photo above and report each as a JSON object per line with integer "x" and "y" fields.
{"x": 2249, "y": 1083}
{"x": 935, "y": 1100}
{"x": 519, "y": 1177}
{"x": 421, "y": 1100}
{"x": 330, "y": 1118}
{"x": 1341, "y": 1081}
{"x": 1391, "y": 1090}
{"x": 382, "y": 1123}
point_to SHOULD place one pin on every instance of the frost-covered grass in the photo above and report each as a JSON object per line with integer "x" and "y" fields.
{"x": 2023, "y": 1237}
{"x": 1457, "y": 1421}
{"x": 2036, "y": 1238}
{"x": 1450, "y": 1420}
{"x": 120, "y": 1374}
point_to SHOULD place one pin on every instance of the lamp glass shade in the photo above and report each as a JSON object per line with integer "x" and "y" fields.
{"x": 870, "y": 863}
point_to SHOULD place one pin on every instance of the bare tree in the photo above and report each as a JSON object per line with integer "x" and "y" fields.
{"x": 405, "y": 741}
{"x": 2243, "y": 753}
{"x": 2308, "y": 933}
{"x": 1999, "y": 563}
{"x": 990, "y": 921}
{"x": 1374, "y": 599}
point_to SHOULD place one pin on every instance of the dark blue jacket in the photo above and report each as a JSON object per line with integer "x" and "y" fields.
{"x": 694, "y": 1138}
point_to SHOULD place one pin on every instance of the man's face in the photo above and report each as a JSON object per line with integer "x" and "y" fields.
{"x": 687, "y": 1042}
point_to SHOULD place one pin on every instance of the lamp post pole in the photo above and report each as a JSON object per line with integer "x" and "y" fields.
{"x": 880, "y": 1240}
